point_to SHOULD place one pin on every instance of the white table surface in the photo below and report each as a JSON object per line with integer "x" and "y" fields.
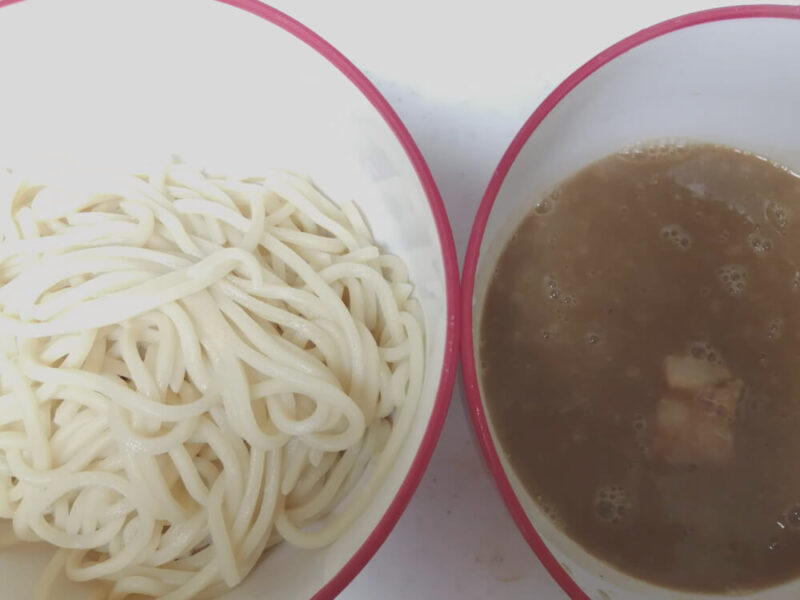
{"x": 464, "y": 75}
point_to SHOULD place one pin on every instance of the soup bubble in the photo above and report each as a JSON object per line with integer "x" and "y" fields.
{"x": 733, "y": 278}
{"x": 663, "y": 148}
{"x": 544, "y": 207}
{"x": 705, "y": 351}
{"x": 613, "y": 504}
{"x": 777, "y": 215}
{"x": 759, "y": 244}
{"x": 677, "y": 236}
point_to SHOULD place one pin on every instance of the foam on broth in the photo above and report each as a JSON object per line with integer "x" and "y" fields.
{"x": 640, "y": 346}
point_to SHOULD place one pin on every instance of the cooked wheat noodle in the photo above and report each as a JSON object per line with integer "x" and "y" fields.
{"x": 192, "y": 369}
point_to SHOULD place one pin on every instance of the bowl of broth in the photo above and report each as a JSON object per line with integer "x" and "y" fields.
{"x": 631, "y": 330}
{"x": 181, "y": 112}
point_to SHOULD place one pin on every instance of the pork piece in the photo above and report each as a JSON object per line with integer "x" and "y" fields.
{"x": 689, "y": 373}
{"x": 695, "y": 417}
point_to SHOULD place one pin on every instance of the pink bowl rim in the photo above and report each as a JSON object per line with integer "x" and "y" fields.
{"x": 449, "y": 365}
{"x": 475, "y": 405}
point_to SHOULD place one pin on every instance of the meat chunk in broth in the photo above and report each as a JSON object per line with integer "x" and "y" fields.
{"x": 696, "y": 415}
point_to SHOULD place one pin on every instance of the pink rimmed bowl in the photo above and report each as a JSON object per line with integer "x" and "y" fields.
{"x": 238, "y": 86}
{"x": 725, "y": 75}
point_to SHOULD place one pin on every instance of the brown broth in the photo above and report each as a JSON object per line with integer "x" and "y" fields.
{"x": 641, "y": 256}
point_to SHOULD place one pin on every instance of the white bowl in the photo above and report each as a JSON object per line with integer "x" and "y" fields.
{"x": 241, "y": 87}
{"x": 727, "y": 76}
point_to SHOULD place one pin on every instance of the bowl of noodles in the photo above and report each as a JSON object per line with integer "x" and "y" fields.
{"x": 628, "y": 295}
{"x": 227, "y": 305}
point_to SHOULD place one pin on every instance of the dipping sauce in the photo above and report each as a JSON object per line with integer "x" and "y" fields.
{"x": 640, "y": 352}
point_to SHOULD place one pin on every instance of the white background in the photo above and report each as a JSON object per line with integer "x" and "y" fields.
{"x": 464, "y": 75}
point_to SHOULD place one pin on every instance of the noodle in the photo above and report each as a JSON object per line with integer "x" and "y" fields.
{"x": 192, "y": 369}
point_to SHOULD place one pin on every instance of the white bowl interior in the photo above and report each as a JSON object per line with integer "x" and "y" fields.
{"x": 124, "y": 83}
{"x": 730, "y": 82}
